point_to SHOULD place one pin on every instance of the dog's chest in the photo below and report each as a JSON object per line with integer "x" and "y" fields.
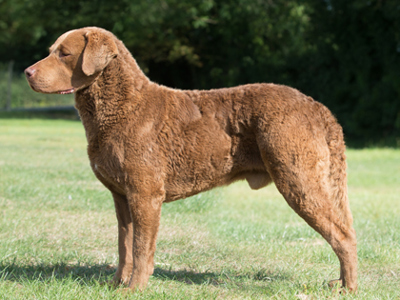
{"x": 107, "y": 160}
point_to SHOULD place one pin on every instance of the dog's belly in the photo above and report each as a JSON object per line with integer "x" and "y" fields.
{"x": 227, "y": 160}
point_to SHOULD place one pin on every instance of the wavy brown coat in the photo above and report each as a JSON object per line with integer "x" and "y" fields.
{"x": 150, "y": 144}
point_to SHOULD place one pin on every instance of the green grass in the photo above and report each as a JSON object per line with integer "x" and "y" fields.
{"x": 58, "y": 232}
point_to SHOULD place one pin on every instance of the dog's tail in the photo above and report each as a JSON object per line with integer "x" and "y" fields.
{"x": 338, "y": 166}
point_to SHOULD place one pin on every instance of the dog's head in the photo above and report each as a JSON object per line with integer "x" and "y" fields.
{"x": 75, "y": 60}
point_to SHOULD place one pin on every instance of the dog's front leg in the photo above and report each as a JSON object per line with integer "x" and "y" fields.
{"x": 146, "y": 214}
{"x": 125, "y": 240}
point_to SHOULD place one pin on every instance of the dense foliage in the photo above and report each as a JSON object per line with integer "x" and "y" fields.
{"x": 345, "y": 54}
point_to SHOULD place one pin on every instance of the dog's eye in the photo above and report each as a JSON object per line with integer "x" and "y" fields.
{"x": 63, "y": 54}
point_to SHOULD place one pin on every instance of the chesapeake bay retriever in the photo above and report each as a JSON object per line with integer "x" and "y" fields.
{"x": 150, "y": 144}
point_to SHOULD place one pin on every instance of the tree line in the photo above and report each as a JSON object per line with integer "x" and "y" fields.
{"x": 345, "y": 54}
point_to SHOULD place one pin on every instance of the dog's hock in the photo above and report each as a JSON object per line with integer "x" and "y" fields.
{"x": 99, "y": 51}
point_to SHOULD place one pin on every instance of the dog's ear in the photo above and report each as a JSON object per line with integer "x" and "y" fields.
{"x": 99, "y": 51}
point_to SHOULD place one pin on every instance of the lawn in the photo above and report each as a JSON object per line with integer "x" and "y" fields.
{"x": 58, "y": 232}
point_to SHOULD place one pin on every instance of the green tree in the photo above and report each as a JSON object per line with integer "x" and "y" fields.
{"x": 345, "y": 54}
{"x": 354, "y": 65}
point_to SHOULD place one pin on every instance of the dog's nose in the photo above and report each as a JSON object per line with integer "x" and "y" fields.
{"x": 29, "y": 72}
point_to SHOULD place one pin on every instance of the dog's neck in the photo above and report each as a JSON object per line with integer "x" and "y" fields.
{"x": 112, "y": 95}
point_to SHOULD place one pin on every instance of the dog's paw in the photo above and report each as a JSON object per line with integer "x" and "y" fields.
{"x": 335, "y": 284}
{"x": 338, "y": 288}
{"x": 126, "y": 291}
{"x": 114, "y": 283}
{"x": 110, "y": 284}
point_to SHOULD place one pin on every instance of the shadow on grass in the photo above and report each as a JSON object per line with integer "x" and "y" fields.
{"x": 100, "y": 273}
{"x": 60, "y": 271}
{"x": 222, "y": 278}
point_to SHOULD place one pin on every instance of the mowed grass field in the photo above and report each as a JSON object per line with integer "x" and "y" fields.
{"x": 58, "y": 230}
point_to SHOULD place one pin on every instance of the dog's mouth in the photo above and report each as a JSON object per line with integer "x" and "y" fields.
{"x": 70, "y": 91}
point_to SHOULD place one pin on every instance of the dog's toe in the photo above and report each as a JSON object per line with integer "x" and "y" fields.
{"x": 337, "y": 283}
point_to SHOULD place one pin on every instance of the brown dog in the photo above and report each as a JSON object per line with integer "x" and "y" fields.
{"x": 150, "y": 144}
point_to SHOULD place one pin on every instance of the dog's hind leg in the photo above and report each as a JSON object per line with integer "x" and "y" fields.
{"x": 125, "y": 240}
{"x": 312, "y": 179}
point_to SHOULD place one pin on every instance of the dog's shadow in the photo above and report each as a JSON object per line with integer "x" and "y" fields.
{"x": 100, "y": 273}
{"x": 218, "y": 278}
{"x": 78, "y": 272}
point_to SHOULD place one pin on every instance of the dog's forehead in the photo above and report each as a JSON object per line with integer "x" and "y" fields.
{"x": 67, "y": 38}
{"x": 61, "y": 39}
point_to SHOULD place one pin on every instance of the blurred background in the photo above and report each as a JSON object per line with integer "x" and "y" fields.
{"x": 345, "y": 54}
